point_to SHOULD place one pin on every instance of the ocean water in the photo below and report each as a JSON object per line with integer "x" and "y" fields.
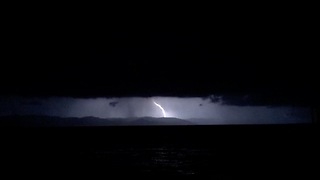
{"x": 189, "y": 151}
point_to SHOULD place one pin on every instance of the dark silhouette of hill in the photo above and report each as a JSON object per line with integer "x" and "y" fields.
{"x": 160, "y": 121}
{"x": 54, "y": 121}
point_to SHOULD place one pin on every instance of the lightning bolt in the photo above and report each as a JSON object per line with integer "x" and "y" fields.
{"x": 163, "y": 111}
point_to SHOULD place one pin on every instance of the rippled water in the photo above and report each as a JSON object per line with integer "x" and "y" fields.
{"x": 185, "y": 161}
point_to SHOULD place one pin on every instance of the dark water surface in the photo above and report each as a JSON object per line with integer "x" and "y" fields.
{"x": 157, "y": 151}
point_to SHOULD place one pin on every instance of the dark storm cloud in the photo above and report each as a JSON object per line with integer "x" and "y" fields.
{"x": 241, "y": 100}
{"x": 113, "y": 104}
{"x": 261, "y": 99}
{"x": 215, "y": 99}
{"x": 32, "y": 103}
{"x": 34, "y": 106}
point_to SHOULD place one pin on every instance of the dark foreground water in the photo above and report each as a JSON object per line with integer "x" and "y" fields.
{"x": 222, "y": 152}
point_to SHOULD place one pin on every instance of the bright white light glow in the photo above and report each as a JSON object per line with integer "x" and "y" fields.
{"x": 163, "y": 111}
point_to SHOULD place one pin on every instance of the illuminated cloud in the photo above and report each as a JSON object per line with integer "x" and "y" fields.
{"x": 194, "y": 109}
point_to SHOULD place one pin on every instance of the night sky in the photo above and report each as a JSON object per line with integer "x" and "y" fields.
{"x": 255, "y": 72}
{"x": 275, "y": 65}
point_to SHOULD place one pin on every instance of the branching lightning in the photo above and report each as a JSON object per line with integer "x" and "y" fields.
{"x": 163, "y": 111}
